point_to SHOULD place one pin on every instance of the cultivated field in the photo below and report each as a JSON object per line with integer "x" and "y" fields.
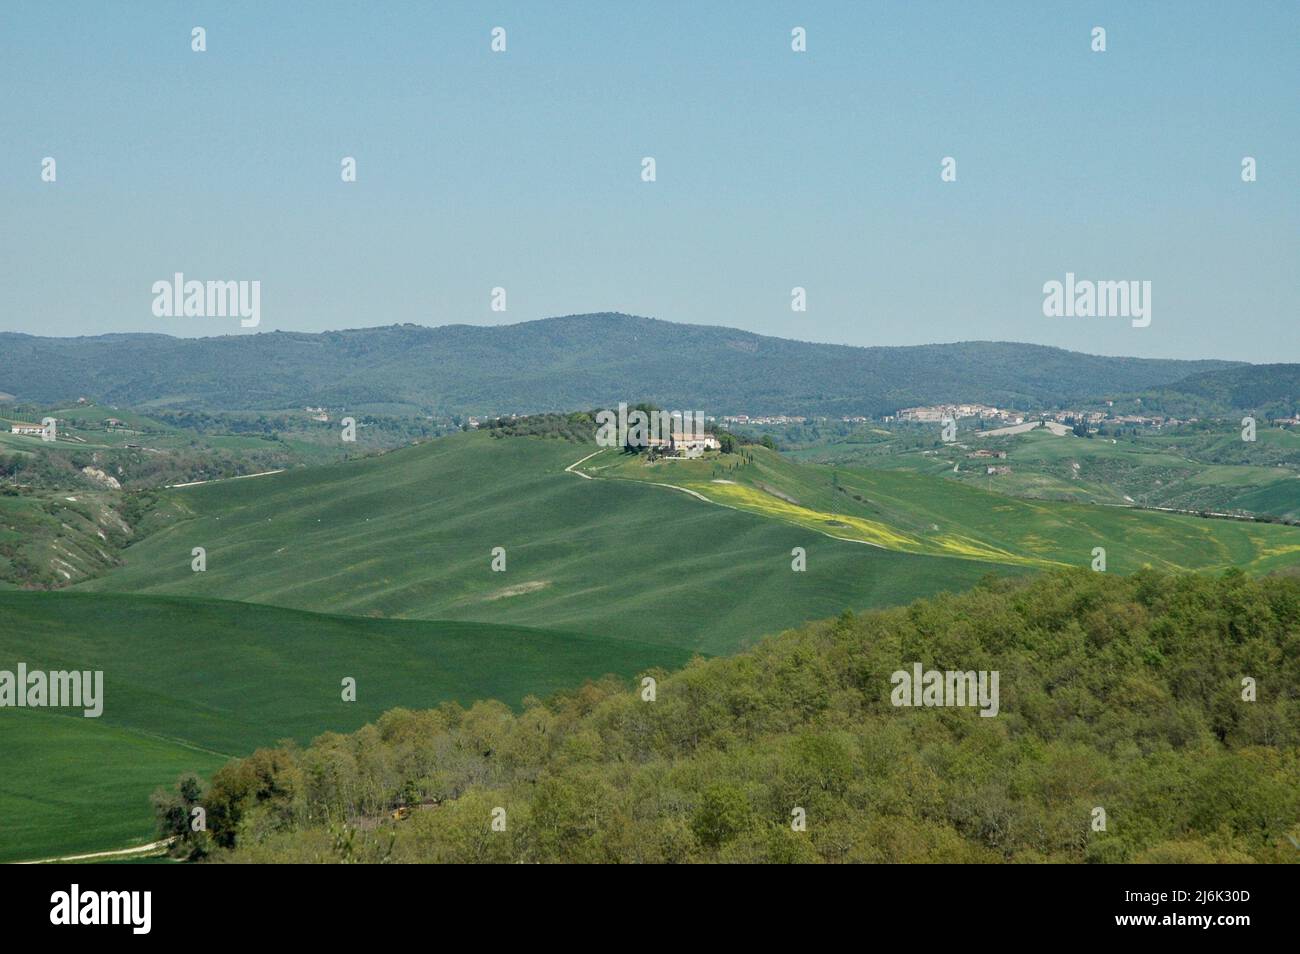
{"x": 190, "y": 683}
{"x": 411, "y": 535}
{"x": 927, "y": 514}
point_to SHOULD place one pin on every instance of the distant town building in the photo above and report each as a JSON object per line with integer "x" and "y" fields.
{"x": 935, "y": 413}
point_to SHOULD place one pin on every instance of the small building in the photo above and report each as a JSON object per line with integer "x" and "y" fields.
{"x": 683, "y": 444}
{"x": 692, "y": 445}
{"x": 32, "y": 430}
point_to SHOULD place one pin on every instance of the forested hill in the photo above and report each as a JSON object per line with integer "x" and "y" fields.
{"x": 578, "y": 361}
{"x": 1166, "y": 705}
{"x": 1268, "y": 389}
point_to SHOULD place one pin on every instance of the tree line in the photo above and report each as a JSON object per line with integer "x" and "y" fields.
{"x": 1124, "y": 694}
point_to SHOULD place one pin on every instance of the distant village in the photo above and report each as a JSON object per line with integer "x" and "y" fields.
{"x": 936, "y": 413}
{"x": 1003, "y": 416}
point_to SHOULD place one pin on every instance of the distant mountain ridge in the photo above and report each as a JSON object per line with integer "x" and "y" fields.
{"x": 564, "y": 363}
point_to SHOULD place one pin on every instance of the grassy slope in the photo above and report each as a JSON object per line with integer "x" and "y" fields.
{"x": 1187, "y": 470}
{"x": 411, "y": 533}
{"x": 70, "y": 785}
{"x": 189, "y": 681}
{"x": 59, "y": 536}
{"x": 1157, "y": 469}
{"x": 921, "y": 513}
{"x": 1281, "y": 497}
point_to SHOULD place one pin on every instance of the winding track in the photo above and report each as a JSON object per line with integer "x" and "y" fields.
{"x": 117, "y": 853}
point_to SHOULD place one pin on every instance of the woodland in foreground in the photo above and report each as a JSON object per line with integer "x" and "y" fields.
{"x": 1117, "y": 693}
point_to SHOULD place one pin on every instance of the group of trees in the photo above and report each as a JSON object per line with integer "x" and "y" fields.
{"x": 578, "y": 427}
{"x": 380, "y": 430}
{"x": 1120, "y": 694}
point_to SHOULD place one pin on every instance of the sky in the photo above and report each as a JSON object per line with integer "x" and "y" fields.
{"x": 775, "y": 169}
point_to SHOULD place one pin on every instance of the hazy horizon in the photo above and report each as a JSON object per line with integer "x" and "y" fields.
{"x": 775, "y": 169}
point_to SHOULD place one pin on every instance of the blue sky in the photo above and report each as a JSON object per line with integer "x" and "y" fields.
{"x": 775, "y": 169}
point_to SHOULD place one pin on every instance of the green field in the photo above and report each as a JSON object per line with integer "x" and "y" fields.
{"x": 70, "y": 785}
{"x": 410, "y": 534}
{"x": 189, "y": 683}
{"x": 92, "y": 432}
{"x": 1182, "y": 468}
{"x": 926, "y": 514}
{"x": 620, "y": 575}
{"x": 623, "y": 576}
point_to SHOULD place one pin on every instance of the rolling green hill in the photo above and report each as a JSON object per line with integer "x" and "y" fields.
{"x": 926, "y": 514}
{"x": 1206, "y": 467}
{"x": 622, "y": 574}
{"x": 557, "y": 364}
{"x": 411, "y": 534}
{"x": 188, "y": 683}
